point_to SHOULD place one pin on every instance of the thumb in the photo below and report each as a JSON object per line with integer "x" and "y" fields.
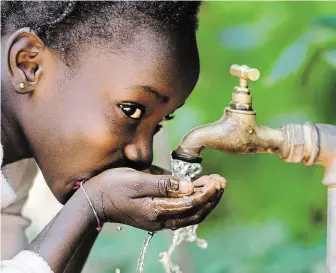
{"x": 165, "y": 186}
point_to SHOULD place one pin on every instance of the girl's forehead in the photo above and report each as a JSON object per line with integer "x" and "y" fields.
{"x": 160, "y": 68}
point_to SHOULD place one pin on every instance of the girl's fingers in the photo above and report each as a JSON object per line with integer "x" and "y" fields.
{"x": 197, "y": 218}
{"x": 206, "y": 192}
{"x": 202, "y": 181}
{"x": 161, "y": 186}
{"x": 219, "y": 178}
{"x": 169, "y": 206}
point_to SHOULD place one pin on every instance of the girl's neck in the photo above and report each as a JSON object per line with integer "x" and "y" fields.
{"x": 13, "y": 139}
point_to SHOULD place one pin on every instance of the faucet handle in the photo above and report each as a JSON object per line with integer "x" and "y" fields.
{"x": 241, "y": 99}
{"x": 245, "y": 72}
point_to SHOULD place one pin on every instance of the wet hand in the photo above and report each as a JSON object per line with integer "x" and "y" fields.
{"x": 153, "y": 202}
{"x": 208, "y": 191}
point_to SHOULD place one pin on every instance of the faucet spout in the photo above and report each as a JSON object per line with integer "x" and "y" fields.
{"x": 237, "y": 132}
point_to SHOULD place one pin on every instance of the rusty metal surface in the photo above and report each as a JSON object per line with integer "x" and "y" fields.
{"x": 236, "y": 133}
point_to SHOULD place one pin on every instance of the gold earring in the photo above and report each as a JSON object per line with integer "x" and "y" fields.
{"x": 22, "y": 87}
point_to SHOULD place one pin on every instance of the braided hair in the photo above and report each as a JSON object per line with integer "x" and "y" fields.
{"x": 64, "y": 24}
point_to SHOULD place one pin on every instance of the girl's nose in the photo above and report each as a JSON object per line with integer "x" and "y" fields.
{"x": 139, "y": 155}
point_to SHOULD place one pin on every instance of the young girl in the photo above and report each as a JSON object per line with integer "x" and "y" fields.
{"x": 85, "y": 87}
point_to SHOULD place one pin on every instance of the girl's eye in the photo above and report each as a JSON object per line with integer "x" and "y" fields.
{"x": 132, "y": 110}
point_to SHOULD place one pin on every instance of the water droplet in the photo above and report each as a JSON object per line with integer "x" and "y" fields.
{"x": 141, "y": 259}
{"x": 187, "y": 171}
{"x": 119, "y": 228}
{"x": 202, "y": 243}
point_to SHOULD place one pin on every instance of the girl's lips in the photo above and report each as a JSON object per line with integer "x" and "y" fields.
{"x": 70, "y": 186}
{"x": 74, "y": 183}
{"x": 92, "y": 174}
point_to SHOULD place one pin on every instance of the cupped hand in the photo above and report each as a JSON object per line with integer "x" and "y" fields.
{"x": 153, "y": 202}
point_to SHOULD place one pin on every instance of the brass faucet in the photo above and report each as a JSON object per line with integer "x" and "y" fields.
{"x": 237, "y": 132}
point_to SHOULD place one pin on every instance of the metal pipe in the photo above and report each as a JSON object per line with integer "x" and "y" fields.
{"x": 327, "y": 159}
{"x": 331, "y": 231}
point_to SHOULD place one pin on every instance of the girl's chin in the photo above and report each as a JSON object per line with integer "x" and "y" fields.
{"x": 63, "y": 195}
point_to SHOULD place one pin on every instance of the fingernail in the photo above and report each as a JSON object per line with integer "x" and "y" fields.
{"x": 186, "y": 187}
{"x": 173, "y": 185}
{"x": 182, "y": 187}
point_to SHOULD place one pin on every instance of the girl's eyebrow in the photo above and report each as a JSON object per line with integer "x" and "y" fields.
{"x": 154, "y": 92}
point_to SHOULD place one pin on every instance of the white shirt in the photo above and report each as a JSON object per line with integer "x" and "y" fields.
{"x": 13, "y": 197}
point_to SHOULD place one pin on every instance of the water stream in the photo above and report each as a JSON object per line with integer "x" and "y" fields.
{"x": 141, "y": 259}
{"x": 186, "y": 171}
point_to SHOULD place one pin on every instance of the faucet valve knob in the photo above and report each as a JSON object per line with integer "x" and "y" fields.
{"x": 242, "y": 99}
{"x": 244, "y": 72}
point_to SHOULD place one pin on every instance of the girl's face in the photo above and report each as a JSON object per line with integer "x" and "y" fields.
{"x": 104, "y": 112}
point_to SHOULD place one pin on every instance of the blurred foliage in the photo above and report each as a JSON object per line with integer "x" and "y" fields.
{"x": 273, "y": 216}
{"x": 293, "y": 44}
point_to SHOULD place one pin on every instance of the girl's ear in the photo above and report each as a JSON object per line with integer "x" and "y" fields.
{"x": 24, "y": 57}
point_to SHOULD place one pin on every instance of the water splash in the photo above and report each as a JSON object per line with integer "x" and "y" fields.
{"x": 141, "y": 259}
{"x": 186, "y": 171}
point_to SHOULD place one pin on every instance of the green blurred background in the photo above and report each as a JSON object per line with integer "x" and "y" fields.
{"x": 273, "y": 216}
